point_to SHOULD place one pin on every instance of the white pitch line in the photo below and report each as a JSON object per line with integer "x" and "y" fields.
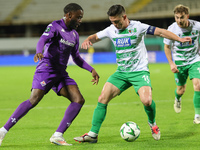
{"x": 110, "y": 104}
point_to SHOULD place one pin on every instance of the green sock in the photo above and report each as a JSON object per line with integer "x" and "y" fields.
{"x": 177, "y": 95}
{"x": 151, "y": 112}
{"x": 196, "y": 101}
{"x": 98, "y": 117}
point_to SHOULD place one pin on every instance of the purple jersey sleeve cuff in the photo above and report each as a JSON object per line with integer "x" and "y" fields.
{"x": 82, "y": 63}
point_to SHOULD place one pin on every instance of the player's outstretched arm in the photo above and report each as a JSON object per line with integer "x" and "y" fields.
{"x": 96, "y": 77}
{"x": 169, "y": 35}
{"x": 89, "y": 41}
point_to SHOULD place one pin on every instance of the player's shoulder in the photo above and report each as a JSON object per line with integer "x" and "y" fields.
{"x": 194, "y": 23}
{"x": 172, "y": 26}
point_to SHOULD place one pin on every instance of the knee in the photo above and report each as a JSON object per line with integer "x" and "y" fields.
{"x": 102, "y": 99}
{"x": 197, "y": 86}
{"x": 80, "y": 100}
{"x": 147, "y": 102}
{"x": 34, "y": 100}
{"x": 181, "y": 90}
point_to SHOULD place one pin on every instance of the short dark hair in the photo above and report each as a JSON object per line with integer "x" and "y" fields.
{"x": 115, "y": 10}
{"x": 72, "y": 7}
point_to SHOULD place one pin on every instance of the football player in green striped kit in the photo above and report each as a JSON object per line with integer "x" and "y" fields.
{"x": 186, "y": 58}
{"x": 131, "y": 56}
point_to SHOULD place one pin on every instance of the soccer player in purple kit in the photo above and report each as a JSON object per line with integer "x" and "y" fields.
{"x": 60, "y": 40}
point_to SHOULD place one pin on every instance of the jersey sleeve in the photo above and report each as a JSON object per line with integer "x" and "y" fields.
{"x": 103, "y": 33}
{"x": 48, "y": 34}
{"x": 143, "y": 27}
{"x": 78, "y": 60}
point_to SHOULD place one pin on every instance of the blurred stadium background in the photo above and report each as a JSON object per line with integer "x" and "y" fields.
{"x": 23, "y": 21}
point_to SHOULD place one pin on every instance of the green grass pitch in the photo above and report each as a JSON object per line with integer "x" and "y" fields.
{"x": 34, "y": 130}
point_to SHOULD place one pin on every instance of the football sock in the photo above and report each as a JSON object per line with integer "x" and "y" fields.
{"x": 196, "y": 101}
{"x": 3, "y": 130}
{"x": 21, "y": 111}
{"x": 177, "y": 95}
{"x": 58, "y": 134}
{"x": 92, "y": 134}
{"x": 98, "y": 117}
{"x": 151, "y": 112}
{"x": 70, "y": 114}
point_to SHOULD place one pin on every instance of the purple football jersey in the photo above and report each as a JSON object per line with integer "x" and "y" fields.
{"x": 59, "y": 43}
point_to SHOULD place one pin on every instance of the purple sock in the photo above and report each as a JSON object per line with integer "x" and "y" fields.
{"x": 70, "y": 114}
{"x": 21, "y": 110}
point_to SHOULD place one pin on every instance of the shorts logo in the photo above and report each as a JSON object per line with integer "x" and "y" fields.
{"x": 43, "y": 83}
{"x": 123, "y": 42}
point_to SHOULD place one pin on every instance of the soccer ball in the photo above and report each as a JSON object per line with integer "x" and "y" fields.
{"x": 130, "y": 131}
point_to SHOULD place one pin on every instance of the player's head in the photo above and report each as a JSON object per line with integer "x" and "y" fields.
{"x": 181, "y": 14}
{"x": 73, "y": 13}
{"x": 117, "y": 16}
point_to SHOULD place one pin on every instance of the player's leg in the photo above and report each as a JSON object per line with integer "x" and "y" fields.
{"x": 196, "y": 100}
{"x": 72, "y": 93}
{"x": 69, "y": 89}
{"x": 145, "y": 94}
{"x": 180, "y": 79}
{"x": 179, "y": 91}
{"x": 109, "y": 91}
{"x": 142, "y": 83}
{"x": 22, "y": 110}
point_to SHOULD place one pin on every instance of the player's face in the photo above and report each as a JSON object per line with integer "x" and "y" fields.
{"x": 75, "y": 19}
{"x": 181, "y": 19}
{"x": 118, "y": 21}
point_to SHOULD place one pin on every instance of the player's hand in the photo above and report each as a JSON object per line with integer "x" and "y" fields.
{"x": 186, "y": 39}
{"x": 95, "y": 76}
{"x": 86, "y": 44}
{"x": 174, "y": 68}
{"x": 38, "y": 56}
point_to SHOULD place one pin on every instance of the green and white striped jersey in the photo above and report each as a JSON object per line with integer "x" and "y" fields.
{"x": 185, "y": 53}
{"x": 131, "y": 53}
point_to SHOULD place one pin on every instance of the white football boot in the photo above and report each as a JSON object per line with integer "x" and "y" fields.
{"x": 177, "y": 105}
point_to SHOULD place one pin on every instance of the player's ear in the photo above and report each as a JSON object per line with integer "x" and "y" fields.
{"x": 69, "y": 14}
{"x": 124, "y": 16}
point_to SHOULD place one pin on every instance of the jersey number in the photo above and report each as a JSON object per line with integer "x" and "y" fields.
{"x": 146, "y": 78}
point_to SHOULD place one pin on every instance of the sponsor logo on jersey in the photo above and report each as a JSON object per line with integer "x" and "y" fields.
{"x": 123, "y": 42}
{"x": 67, "y": 42}
{"x": 132, "y": 30}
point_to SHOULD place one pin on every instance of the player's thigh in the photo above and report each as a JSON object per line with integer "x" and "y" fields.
{"x": 181, "y": 76}
{"x": 108, "y": 92}
{"x": 72, "y": 93}
{"x": 194, "y": 70}
{"x": 139, "y": 79}
{"x": 119, "y": 82}
{"x": 145, "y": 94}
{"x": 36, "y": 96}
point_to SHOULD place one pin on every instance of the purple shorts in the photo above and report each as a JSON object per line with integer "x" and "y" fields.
{"x": 48, "y": 80}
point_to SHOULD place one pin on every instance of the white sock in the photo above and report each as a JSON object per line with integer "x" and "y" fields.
{"x": 152, "y": 125}
{"x": 196, "y": 116}
{"x": 92, "y": 134}
{"x": 3, "y": 130}
{"x": 58, "y": 134}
